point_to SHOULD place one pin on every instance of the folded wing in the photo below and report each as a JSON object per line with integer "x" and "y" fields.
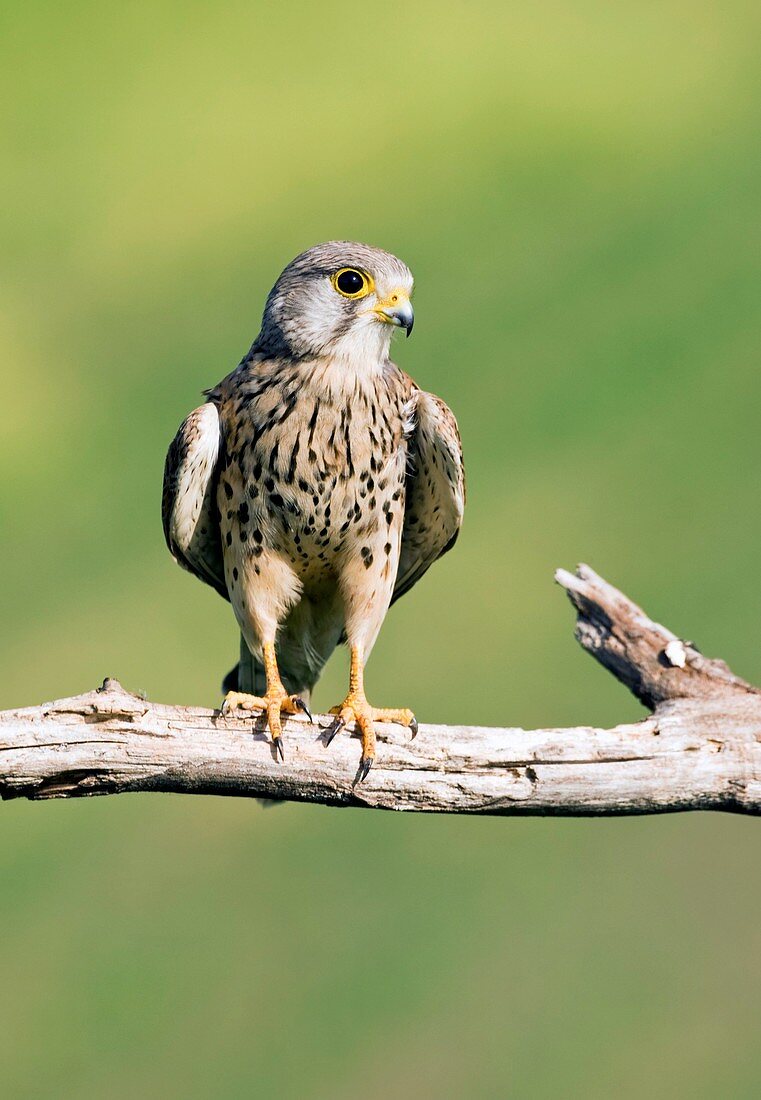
{"x": 188, "y": 505}
{"x": 435, "y": 497}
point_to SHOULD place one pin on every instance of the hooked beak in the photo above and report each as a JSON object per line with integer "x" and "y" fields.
{"x": 396, "y": 310}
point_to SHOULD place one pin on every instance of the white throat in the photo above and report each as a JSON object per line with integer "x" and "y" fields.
{"x": 365, "y": 346}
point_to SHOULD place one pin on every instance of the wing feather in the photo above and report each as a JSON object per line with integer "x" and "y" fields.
{"x": 435, "y": 490}
{"x": 188, "y": 505}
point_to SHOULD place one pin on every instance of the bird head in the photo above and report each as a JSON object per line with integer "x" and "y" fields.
{"x": 339, "y": 299}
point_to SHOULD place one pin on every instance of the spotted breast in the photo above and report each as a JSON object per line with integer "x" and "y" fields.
{"x": 311, "y": 492}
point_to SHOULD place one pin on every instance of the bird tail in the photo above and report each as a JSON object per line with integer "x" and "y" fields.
{"x": 248, "y": 676}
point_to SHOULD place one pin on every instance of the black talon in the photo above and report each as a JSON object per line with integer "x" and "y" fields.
{"x": 299, "y": 703}
{"x": 364, "y": 769}
{"x": 413, "y": 727}
{"x": 279, "y": 750}
{"x": 331, "y": 731}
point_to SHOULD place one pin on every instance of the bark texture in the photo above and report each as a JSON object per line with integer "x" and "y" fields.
{"x": 700, "y": 748}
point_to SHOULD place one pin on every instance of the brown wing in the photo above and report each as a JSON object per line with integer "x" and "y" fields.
{"x": 435, "y": 497}
{"x": 188, "y": 505}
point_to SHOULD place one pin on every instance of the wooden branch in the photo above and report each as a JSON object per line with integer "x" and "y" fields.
{"x": 699, "y": 749}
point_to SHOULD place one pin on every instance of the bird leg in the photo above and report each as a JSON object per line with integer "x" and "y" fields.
{"x": 355, "y": 708}
{"x": 274, "y": 702}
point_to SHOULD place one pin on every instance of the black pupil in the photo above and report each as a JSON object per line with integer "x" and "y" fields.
{"x": 350, "y": 282}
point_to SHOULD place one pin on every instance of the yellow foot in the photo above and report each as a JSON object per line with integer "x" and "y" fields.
{"x": 355, "y": 708}
{"x": 277, "y": 701}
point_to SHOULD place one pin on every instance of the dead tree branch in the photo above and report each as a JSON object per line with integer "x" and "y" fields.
{"x": 700, "y": 749}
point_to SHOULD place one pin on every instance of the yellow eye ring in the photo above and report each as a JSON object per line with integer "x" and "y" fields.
{"x": 350, "y": 282}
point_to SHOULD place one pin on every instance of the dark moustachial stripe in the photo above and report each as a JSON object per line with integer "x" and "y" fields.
{"x": 313, "y": 421}
{"x": 347, "y": 440}
{"x": 291, "y": 472}
{"x": 273, "y": 456}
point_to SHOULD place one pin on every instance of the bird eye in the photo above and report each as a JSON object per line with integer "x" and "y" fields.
{"x": 352, "y": 283}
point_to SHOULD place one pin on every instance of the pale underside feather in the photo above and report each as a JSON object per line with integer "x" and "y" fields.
{"x": 189, "y": 509}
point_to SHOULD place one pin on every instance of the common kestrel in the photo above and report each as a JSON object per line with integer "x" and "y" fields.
{"x": 318, "y": 483}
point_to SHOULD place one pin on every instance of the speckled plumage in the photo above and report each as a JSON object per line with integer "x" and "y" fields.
{"x": 318, "y": 483}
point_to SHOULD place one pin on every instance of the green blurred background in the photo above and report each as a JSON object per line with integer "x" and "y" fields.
{"x": 577, "y": 189}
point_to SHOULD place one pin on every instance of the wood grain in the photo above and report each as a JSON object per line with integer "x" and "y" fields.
{"x": 700, "y": 749}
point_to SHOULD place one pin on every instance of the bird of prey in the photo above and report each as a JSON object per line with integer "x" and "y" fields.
{"x": 318, "y": 483}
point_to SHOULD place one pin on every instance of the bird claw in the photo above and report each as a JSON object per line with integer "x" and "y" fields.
{"x": 239, "y": 701}
{"x": 364, "y": 769}
{"x": 332, "y": 730}
{"x": 278, "y": 746}
{"x": 299, "y": 704}
{"x": 413, "y": 728}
